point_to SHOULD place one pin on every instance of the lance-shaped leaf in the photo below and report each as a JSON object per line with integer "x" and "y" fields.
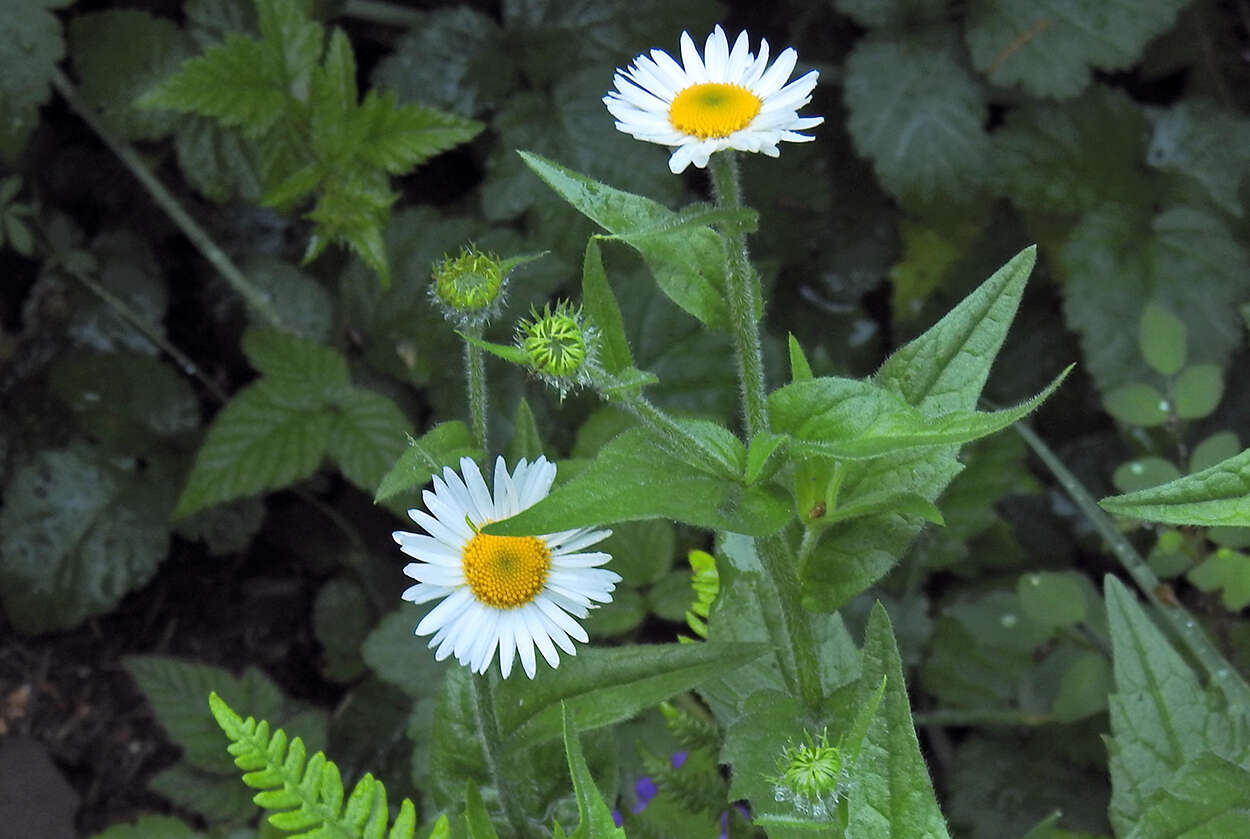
{"x": 594, "y": 816}
{"x": 1218, "y": 495}
{"x": 443, "y": 445}
{"x": 1208, "y": 798}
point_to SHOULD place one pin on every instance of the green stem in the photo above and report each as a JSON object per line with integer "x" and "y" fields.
{"x": 795, "y": 639}
{"x": 256, "y": 298}
{"x": 743, "y": 296}
{"x": 492, "y": 747}
{"x": 676, "y": 440}
{"x": 475, "y": 375}
{"x": 1235, "y": 689}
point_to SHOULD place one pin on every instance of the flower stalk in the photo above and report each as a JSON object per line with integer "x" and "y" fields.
{"x": 492, "y": 748}
{"x": 475, "y": 378}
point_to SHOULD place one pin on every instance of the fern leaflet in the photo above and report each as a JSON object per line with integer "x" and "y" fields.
{"x": 306, "y": 791}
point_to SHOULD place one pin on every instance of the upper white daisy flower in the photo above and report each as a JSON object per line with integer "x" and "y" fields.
{"x": 510, "y": 593}
{"x": 728, "y": 99}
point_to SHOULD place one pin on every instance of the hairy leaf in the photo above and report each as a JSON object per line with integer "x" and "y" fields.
{"x": 1218, "y": 495}
{"x": 594, "y": 816}
{"x": 442, "y": 446}
{"x": 1204, "y": 142}
{"x": 367, "y": 436}
{"x": 1208, "y": 798}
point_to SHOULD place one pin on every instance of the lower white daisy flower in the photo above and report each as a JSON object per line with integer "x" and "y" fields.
{"x": 728, "y": 99}
{"x": 505, "y": 593}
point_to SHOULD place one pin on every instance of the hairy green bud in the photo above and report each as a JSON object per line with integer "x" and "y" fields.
{"x": 559, "y": 345}
{"x": 469, "y": 287}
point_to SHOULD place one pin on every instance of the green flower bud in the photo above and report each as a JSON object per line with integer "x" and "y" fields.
{"x": 470, "y": 287}
{"x": 812, "y": 775}
{"x": 559, "y": 345}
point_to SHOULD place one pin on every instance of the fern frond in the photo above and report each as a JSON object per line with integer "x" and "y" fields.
{"x": 697, "y": 784}
{"x": 690, "y": 731}
{"x": 706, "y": 584}
{"x": 307, "y": 791}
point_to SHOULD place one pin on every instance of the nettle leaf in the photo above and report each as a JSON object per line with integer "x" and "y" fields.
{"x": 295, "y": 365}
{"x": 29, "y": 52}
{"x": 917, "y": 114}
{"x": 368, "y": 434}
{"x": 633, "y": 477}
{"x": 688, "y": 261}
{"x": 1208, "y": 798}
{"x": 602, "y": 686}
{"x": 1160, "y": 717}
{"x": 893, "y": 796}
{"x": 1051, "y": 48}
{"x": 1183, "y": 259}
{"x": 218, "y": 162}
{"x": 79, "y": 531}
{"x": 1218, "y": 495}
{"x": 443, "y": 445}
{"x": 1072, "y": 157}
{"x": 1207, "y": 143}
{"x": 941, "y": 371}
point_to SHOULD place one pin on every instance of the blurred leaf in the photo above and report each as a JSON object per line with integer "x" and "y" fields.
{"x": 1137, "y": 404}
{"x": 1051, "y": 48}
{"x": 341, "y": 618}
{"x": 129, "y": 270}
{"x": 1208, "y": 798}
{"x": 642, "y": 551}
{"x": 1052, "y": 598}
{"x": 456, "y": 747}
{"x": 1228, "y": 570}
{"x": 526, "y": 440}
{"x": 1218, "y": 495}
{"x": 118, "y": 56}
{"x": 399, "y": 657}
{"x": 150, "y": 827}
{"x": 1205, "y": 142}
{"x": 224, "y": 528}
{"x": 218, "y": 162}
{"x": 29, "y": 53}
{"x": 476, "y": 819}
{"x": 891, "y": 13}
{"x": 1143, "y": 473}
{"x": 1083, "y": 688}
{"x": 1219, "y": 446}
{"x": 303, "y": 304}
{"x": 217, "y": 797}
{"x": 1198, "y": 390}
{"x": 79, "y": 531}
{"x": 1162, "y": 338}
{"x": 918, "y": 115}
{"x": 624, "y": 614}
{"x": 443, "y": 445}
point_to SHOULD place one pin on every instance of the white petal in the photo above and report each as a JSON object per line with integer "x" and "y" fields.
{"x": 452, "y": 606}
{"x": 716, "y": 55}
{"x": 561, "y": 619}
{"x": 740, "y": 59}
{"x": 478, "y": 490}
{"x": 676, "y": 77}
{"x": 524, "y": 645}
{"x": 438, "y": 575}
{"x": 695, "y": 71}
{"x": 542, "y": 638}
{"x": 776, "y": 76}
{"x": 426, "y": 548}
{"x": 507, "y": 648}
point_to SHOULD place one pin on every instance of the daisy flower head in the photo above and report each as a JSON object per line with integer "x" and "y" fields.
{"x": 500, "y": 593}
{"x": 724, "y": 99}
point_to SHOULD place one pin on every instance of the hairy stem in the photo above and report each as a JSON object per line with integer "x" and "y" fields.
{"x": 795, "y": 639}
{"x": 743, "y": 296}
{"x": 492, "y": 746}
{"x": 475, "y": 378}
{"x": 255, "y": 297}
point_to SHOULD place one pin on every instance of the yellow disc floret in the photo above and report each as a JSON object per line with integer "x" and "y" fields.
{"x": 505, "y": 571}
{"x": 713, "y": 110}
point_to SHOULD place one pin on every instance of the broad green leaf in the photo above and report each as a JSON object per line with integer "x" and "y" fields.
{"x": 263, "y": 439}
{"x": 341, "y": 619}
{"x": 367, "y": 436}
{"x": 1160, "y": 717}
{"x": 755, "y": 742}
{"x": 218, "y": 797}
{"x": 129, "y": 270}
{"x": 594, "y": 816}
{"x": 1198, "y": 390}
{"x": 218, "y": 161}
{"x": 688, "y": 264}
{"x": 1052, "y": 598}
{"x": 917, "y": 115}
{"x": 607, "y": 685}
{"x": 443, "y": 445}
{"x": 118, "y": 55}
{"x": 765, "y": 455}
{"x": 1137, "y": 404}
{"x": 302, "y": 303}
{"x": 295, "y": 364}
{"x": 1218, "y": 495}
{"x": 1207, "y": 143}
{"x": 632, "y": 477}
{"x": 1083, "y": 688}
{"x": 1162, "y": 336}
{"x": 1208, "y": 798}
{"x": 601, "y": 307}
{"x": 79, "y": 531}
{"x": 456, "y": 747}
{"x": 29, "y": 53}
{"x": 400, "y": 658}
{"x": 1183, "y": 259}
{"x": 1219, "y": 446}
{"x": 526, "y": 439}
{"x": 1050, "y": 48}
{"x": 226, "y": 528}
{"x": 893, "y": 796}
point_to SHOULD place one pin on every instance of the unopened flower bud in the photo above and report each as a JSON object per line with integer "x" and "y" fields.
{"x": 470, "y": 287}
{"x": 559, "y": 345}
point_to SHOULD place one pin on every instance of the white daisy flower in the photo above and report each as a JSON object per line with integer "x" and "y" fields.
{"x": 510, "y": 593}
{"x": 728, "y": 99}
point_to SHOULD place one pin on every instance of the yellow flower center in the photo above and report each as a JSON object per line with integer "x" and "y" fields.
{"x": 713, "y": 109}
{"x": 505, "y": 571}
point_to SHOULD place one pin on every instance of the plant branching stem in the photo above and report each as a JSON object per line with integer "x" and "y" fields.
{"x": 1233, "y": 686}
{"x": 255, "y": 297}
{"x": 492, "y": 745}
{"x": 796, "y": 639}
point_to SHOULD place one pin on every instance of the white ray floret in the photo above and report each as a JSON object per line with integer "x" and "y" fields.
{"x": 505, "y": 594}
{"x": 724, "y": 99}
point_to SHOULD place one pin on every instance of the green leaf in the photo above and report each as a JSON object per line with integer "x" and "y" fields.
{"x": 800, "y": 370}
{"x": 119, "y": 55}
{"x": 1183, "y": 259}
{"x": 1143, "y": 473}
{"x": 688, "y": 264}
{"x": 476, "y": 819}
{"x": 263, "y": 439}
{"x": 1137, "y": 404}
{"x": 1207, "y": 143}
{"x": 216, "y": 796}
{"x": 526, "y": 440}
{"x": 341, "y": 619}
{"x": 1050, "y": 48}
{"x": 218, "y": 162}
{"x": 1083, "y": 688}
{"x": 1160, "y": 717}
{"x": 917, "y": 115}
{"x": 29, "y": 53}
{"x": 893, "y": 795}
{"x": 443, "y": 445}
{"x": 367, "y": 436}
{"x": 302, "y": 303}
{"x": 398, "y": 138}
{"x": 1198, "y": 390}
{"x": 601, "y": 307}
{"x": 1208, "y": 798}
{"x": 633, "y": 478}
{"x": 150, "y": 827}
{"x": 1218, "y": 495}
{"x": 399, "y": 658}
{"x": 891, "y": 13}
{"x": 1228, "y": 570}
{"x": 1052, "y": 598}
{"x": 603, "y": 686}
{"x": 294, "y": 364}
{"x": 594, "y": 816}
{"x": 1162, "y": 337}
{"x": 1219, "y": 446}
{"x": 79, "y": 531}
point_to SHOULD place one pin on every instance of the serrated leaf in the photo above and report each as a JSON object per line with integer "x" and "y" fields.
{"x": 118, "y": 55}
{"x": 217, "y": 161}
{"x": 1182, "y": 259}
{"x": 294, "y": 364}
{"x": 216, "y": 796}
{"x": 398, "y": 138}
{"x": 1208, "y": 798}
{"x": 29, "y": 52}
{"x": 1218, "y": 495}
{"x": 367, "y": 436}
{"x": 78, "y": 531}
{"x": 892, "y": 13}
{"x": 688, "y": 264}
{"x": 301, "y": 302}
{"x": 632, "y": 477}
{"x": 917, "y": 115}
{"x": 602, "y": 686}
{"x": 1050, "y": 48}
{"x": 1162, "y": 338}
{"x": 1207, "y": 143}
{"x": 443, "y": 445}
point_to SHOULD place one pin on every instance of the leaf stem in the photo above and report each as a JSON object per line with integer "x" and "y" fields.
{"x": 795, "y": 638}
{"x": 492, "y": 746}
{"x": 743, "y": 297}
{"x": 255, "y": 297}
{"x": 475, "y": 378}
